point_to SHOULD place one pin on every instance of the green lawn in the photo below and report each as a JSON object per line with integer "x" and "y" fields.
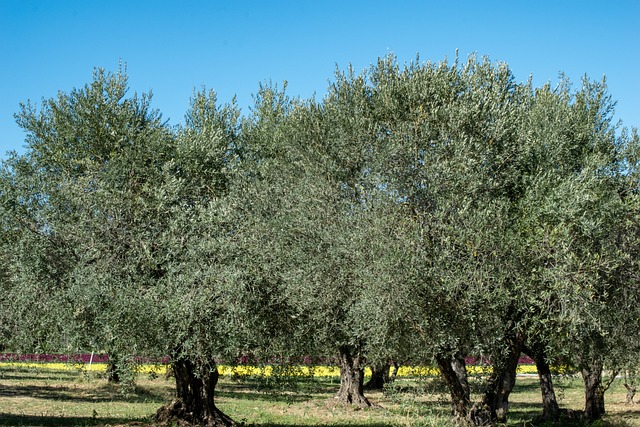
{"x": 45, "y": 397}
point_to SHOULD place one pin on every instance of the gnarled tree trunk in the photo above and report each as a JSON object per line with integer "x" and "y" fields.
{"x": 550, "y": 409}
{"x": 351, "y": 378}
{"x": 593, "y": 390}
{"x": 379, "y": 376}
{"x": 394, "y": 372}
{"x": 113, "y": 376}
{"x": 502, "y": 380}
{"x": 631, "y": 392}
{"x": 194, "y": 403}
{"x": 454, "y": 372}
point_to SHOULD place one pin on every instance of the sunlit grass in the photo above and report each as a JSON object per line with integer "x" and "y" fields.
{"x": 31, "y": 394}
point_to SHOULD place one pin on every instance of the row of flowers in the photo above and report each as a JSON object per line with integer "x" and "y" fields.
{"x": 266, "y": 371}
{"x": 98, "y": 364}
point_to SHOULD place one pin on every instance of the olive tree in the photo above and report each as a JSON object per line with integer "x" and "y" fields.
{"x": 449, "y": 140}
{"x": 316, "y": 213}
{"x": 578, "y": 216}
{"x": 132, "y": 244}
{"x": 480, "y": 161}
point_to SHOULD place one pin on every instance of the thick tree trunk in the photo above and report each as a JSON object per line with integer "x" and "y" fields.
{"x": 454, "y": 371}
{"x": 593, "y": 390}
{"x": 631, "y": 392}
{"x": 194, "y": 403}
{"x": 379, "y": 376}
{"x": 502, "y": 381}
{"x": 351, "y": 379}
{"x": 550, "y": 409}
{"x": 113, "y": 375}
{"x": 394, "y": 372}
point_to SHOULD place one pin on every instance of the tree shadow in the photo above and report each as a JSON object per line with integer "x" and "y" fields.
{"x": 526, "y": 386}
{"x": 267, "y": 396}
{"x": 366, "y": 424}
{"x": 303, "y": 385}
{"x": 290, "y": 393}
{"x": 62, "y": 377}
{"x": 69, "y": 394}
{"x": 49, "y": 421}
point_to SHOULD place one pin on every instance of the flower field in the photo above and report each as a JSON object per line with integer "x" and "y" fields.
{"x": 98, "y": 363}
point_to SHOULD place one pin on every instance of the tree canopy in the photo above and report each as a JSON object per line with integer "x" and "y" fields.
{"x": 424, "y": 212}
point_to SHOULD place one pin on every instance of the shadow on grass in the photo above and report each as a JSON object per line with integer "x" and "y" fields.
{"x": 72, "y": 394}
{"x": 526, "y": 386}
{"x": 39, "y": 378}
{"x": 38, "y": 374}
{"x": 45, "y": 421}
{"x": 305, "y": 385}
{"x": 266, "y": 397}
{"x": 332, "y": 425}
{"x": 249, "y": 389}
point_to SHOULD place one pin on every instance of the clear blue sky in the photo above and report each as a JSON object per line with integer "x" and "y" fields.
{"x": 173, "y": 47}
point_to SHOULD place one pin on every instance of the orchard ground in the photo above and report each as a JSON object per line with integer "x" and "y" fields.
{"x": 65, "y": 394}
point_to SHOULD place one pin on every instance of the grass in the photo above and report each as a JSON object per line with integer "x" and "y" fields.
{"x": 37, "y": 396}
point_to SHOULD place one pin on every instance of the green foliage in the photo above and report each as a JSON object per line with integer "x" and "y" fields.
{"x": 415, "y": 211}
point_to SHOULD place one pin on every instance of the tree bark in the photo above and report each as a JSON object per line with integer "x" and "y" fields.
{"x": 550, "y": 409}
{"x": 454, "y": 372}
{"x": 351, "y": 378}
{"x": 593, "y": 390}
{"x": 113, "y": 376}
{"x": 194, "y": 402}
{"x": 502, "y": 380}
{"x": 394, "y": 372}
{"x": 631, "y": 392}
{"x": 379, "y": 376}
